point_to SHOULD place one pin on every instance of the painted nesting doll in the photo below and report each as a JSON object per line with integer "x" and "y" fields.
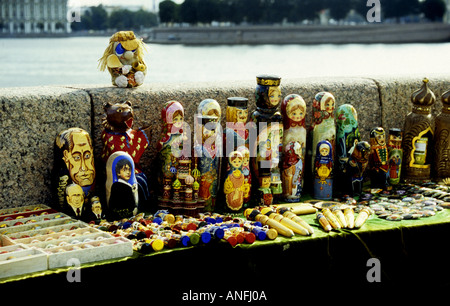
{"x": 378, "y": 159}
{"x": 418, "y": 136}
{"x": 347, "y": 134}
{"x": 208, "y": 150}
{"x": 122, "y": 196}
{"x": 323, "y": 125}
{"x": 395, "y": 157}
{"x": 269, "y": 130}
{"x": 118, "y": 135}
{"x": 172, "y": 146}
{"x": 124, "y": 59}
{"x": 356, "y": 168}
{"x": 234, "y": 185}
{"x": 442, "y": 140}
{"x": 74, "y": 158}
{"x": 323, "y": 171}
{"x": 293, "y": 109}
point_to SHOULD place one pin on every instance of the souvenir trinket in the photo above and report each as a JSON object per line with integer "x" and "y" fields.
{"x": 122, "y": 196}
{"x": 418, "y": 136}
{"x": 177, "y": 177}
{"x": 287, "y": 213}
{"x": 74, "y": 158}
{"x": 378, "y": 159}
{"x": 323, "y": 171}
{"x": 269, "y": 130}
{"x": 323, "y": 125}
{"x": 294, "y": 226}
{"x": 362, "y": 217}
{"x": 208, "y": 151}
{"x": 76, "y": 204}
{"x": 256, "y": 215}
{"x": 118, "y": 135}
{"x": 234, "y": 185}
{"x": 124, "y": 58}
{"x": 356, "y": 167}
{"x": 264, "y": 194}
{"x": 237, "y": 135}
{"x": 293, "y": 109}
{"x": 395, "y": 153}
{"x": 347, "y": 134}
{"x": 442, "y": 140}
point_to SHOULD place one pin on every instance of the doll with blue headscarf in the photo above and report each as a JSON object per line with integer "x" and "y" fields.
{"x": 323, "y": 171}
{"x": 122, "y": 196}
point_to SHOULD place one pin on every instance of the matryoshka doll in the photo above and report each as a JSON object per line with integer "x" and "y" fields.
{"x": 395, "y": 153}
{"x": 171, "y": 147}
{"x": 442, "y": 140}
{"x": 269, "y": 130}
{"x": 208, "y": 151}
{"x": 378, "y": 159}
{"x": 293, "y": 109}
{"x": 74, "y": 158}
{"x": 418, "y": 136}
{"x": 323, "y": 125}
{"x": 355, "y": 168}
{"x": 122, "y": 196}
{"x": 264, "y": 195}
{"x": 323, "y": 171}
{"x": 234, "y": 185}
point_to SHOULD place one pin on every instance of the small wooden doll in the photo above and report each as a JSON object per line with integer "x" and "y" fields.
{"x": 347, "y": 133}
{"x": 293, "y": 109}
{"x": 323, "y": 170}
{"x": 265, "y": 196}
{"x": 442, "y": 140}
{"x": 74, "y": 158}
{"x": 323, "y": 125}
{"x": 356, "y": 167}
{"x": 122, "y": 196}
{"x": 395, "y": 153}
{"x": 247, "y": 172}
{"x": 124, "y": 58}
{"x": 235, "y": 185}
{"x": 378, "y": 159}
{"x": 76, "y": 202}
{"x": 208, "y": 150}
{"x": 418, "y": 136}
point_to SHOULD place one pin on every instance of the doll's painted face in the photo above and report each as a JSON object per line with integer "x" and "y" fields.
{"x": 178, "y": 120}
{"x": 296, "y": 109}
{"x": 297, "y": 114}
{"x": 124, "y": 172}
{"x": 329, "y": 105}
{"x": 324, "y": 150}
{"x": 75, "y": 195}
{"x": 241, "y": 115}
{"x": 381, "y": 139}
{"x": 274, "y": 95}
{"x": 236, "y": 161}
{"x": 265, "y": 182}
{"x": 79, "y": 159}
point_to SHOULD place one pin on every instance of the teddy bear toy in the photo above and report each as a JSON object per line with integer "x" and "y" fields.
{"x": 124, "y": 59}
{"x": 118, "y": 135}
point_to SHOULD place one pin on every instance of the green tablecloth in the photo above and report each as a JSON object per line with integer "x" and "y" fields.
{"x": 410, "y": 252}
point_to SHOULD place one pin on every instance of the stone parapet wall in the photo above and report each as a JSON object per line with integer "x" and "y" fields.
{"x": 31, "y": 117}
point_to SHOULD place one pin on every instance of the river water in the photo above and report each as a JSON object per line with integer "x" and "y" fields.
{"x": 73, "y": 61}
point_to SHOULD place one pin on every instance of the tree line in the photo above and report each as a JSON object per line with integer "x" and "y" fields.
{"x": 294, "y": 11}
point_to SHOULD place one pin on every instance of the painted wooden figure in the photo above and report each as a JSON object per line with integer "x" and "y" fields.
{"x": 378, "y": 159}
{"x": 356, "y": 167}
{"x": 418, "y": 136}
{"x": 269, "y": 130}
{"x": 119, "y": 135}
{"x": 237, "y": 135}
{"x": 208, "y": 151}
{"x": 122, "y": 197}
{"x": 323, "y": 171}
{"x": 347, "y": 134}
{"x": 235, "y": 186}
{"x": 395, "y": 153}
{"x": 442, "y": 141}
{"x": 74, "y": 164}
{"x": 293, "y": 109}
{"x": 323, "y": 126}
{"x": 124, "y": 59}
{"x": 264, "y": 195}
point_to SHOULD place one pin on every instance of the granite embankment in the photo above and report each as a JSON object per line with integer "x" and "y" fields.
{"x": 306, "y": 34}
{"x": 31, "y": 117}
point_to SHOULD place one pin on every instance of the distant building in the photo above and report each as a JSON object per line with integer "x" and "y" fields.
{"x": 33, "y": 16}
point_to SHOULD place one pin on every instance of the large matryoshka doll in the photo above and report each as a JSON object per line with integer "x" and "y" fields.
{"x": 442, "y": 141}
{"x": 323, "y": 126}
{"x": 172, "y": 147}
{"x": 122, "y": 196}
{"x": 323, "y": 171}
{"x": 378, "y": 159}
{"x": 293, "y": 109}
{"x": 418, "y": 136}
{"x": 395, "y": 153}
{"x": 237, "y": 135}
{"x": 74, "y": 158}
{"x": 208, "y": 151}
{"x": 269, "y": 130}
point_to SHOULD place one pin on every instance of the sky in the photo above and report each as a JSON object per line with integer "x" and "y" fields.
{"x": 148, "y": 4}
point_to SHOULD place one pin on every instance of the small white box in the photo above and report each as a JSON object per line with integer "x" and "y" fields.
{"x": 26, "y": 260}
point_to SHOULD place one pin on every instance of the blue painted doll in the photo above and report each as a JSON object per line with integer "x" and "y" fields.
{"x": 323, "y": 171}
